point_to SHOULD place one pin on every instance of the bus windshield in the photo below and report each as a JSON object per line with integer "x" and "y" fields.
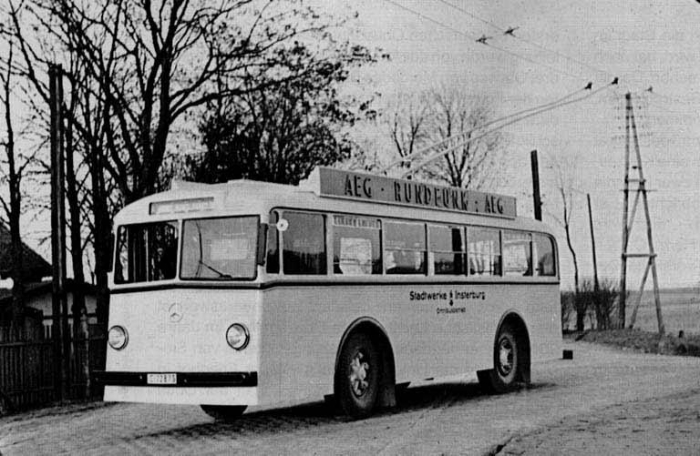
{"x": 212, "y": 249}
{"x": 219, "y": 248}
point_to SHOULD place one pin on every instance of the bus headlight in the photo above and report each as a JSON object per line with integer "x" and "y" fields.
{"x": 117, "y": 337}
{"x": 237, "y": 336}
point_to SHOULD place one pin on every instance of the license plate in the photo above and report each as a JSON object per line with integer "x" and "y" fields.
{"x": 161, "y": 379}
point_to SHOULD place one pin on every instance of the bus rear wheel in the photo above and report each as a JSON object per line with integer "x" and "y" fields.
{"x": 358, "y": 375}
{"x": 227, "y": 413}
{"x": 508, "y": 363}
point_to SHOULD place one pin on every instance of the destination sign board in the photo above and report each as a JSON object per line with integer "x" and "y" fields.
{"x": 381, "y": 189}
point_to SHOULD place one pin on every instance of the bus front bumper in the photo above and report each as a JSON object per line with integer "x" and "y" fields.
{"x": 225, "y": 388}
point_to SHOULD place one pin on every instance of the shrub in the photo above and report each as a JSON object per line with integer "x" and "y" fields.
{"x": 596, "y": 309}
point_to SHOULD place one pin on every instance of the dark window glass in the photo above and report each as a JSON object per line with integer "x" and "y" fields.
{"x": 484, "y": 251}
{"x": 517, "y": 253}
{"x": 544, "y": 248}
{"x": 304, "y": 243}
{"x": 273, "y": 254}
{"x": 146, "y": 253}
{"x": 405, "y": 250}
{"x": 446, "y": 249}
{"x": 219, "y": 248}
{"x": 356, "y": 245}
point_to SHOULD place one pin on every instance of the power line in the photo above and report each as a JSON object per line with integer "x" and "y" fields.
{"x": 518, "y": 119}
{"x": 510, "y": 32}
{"x": 472, "y": 38}
{"x": 481, "y": 127}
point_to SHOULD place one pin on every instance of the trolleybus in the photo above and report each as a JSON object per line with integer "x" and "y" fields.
{"x": 248, "y": 293}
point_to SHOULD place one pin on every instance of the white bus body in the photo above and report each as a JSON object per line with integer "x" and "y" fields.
{"x": 426, "y": 325}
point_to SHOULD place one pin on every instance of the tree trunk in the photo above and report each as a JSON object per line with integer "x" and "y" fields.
{"x": 78, "y": 309}
{"x": 13, "y": 213}
{"x": 102, "y": 243}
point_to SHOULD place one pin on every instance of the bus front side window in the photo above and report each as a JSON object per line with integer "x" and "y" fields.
{"x": 303, "y": 243}
{"x": 219, "y": 248}
{"x": 146, "y": 253}
{"x": 484, "y": 251}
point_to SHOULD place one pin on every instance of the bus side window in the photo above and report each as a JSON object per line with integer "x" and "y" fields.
{"x": 484, "y": 251}
{"x": 356, "y": 245}
{"x": 272, "y": 263}
{"x": 304, "y": 244}
{"x": 446, "y": 249}
{"x": 517, "y": 253}
{"x": 405, "y": 251}
{"x": 544, "y": 249}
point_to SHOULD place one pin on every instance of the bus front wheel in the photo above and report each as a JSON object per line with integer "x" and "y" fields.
{"x": 508, "y": 360}
{"x": 226, "y": 413}
{"x": 358, "y": 375}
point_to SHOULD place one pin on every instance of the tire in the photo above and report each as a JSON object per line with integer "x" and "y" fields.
{"x": 227, "y": 413}
{"x": 358, "y": 375}
{"x": 508, "y": 363}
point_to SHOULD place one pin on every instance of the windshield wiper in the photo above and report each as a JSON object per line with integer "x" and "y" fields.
{"x": 200, "y": 261}
{"x": 221, "y": 275}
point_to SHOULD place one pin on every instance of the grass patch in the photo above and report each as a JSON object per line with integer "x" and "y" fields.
{"x": 643, "y": 341}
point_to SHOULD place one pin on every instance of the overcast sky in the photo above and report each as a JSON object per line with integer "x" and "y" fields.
{"x": 560, "y": 46}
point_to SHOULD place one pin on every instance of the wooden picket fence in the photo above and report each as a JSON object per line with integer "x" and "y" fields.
{"x": 27, "y": 371}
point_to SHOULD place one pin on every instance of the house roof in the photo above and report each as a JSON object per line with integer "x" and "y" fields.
{"x": 34, "y": 266}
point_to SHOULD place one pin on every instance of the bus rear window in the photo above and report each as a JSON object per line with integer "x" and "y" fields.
{"x": 146, "y": 253}
{"x": 219, "y": 248}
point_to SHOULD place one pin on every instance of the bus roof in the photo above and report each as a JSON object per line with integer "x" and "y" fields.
{"x": 330, "y": 190}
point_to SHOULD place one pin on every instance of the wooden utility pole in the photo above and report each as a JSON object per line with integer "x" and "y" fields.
{"x": 537, "y": 200}
{"x": 628, "y": 221}
{"x": 596, "y": 285}
{"x": 58, "y": 252}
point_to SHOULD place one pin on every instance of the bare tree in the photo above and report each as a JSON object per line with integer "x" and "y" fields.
{"x": 565, "y": 181}
{"x": 473, "y": 164}
{"x": 417, "y": 122}
{"x": 14, "y": 169}
{"x": 407, "y": 119}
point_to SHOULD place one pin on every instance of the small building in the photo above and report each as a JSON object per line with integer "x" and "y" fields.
{"x": 36, "y": 273}
{"x": 38, "y": 298}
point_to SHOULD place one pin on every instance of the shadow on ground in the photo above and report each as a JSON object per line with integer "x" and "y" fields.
{"x": 306, "y": 416}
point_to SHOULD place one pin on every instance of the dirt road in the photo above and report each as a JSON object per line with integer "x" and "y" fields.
{"x": 604, "y": 401}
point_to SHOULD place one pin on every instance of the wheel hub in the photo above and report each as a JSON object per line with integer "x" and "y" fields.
{"x": 359, "y": 369}
{"x": 505, "y": 357}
